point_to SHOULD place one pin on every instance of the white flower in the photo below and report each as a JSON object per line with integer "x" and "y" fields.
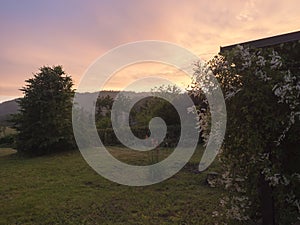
{"x": 285, "y": 181}
{"x": 276, "y": 62}
{"x": 192, "y": 109}
{"x": 261, "y": 61}
{"x": 262, "y": 75}
{"x": 246, "y": 64}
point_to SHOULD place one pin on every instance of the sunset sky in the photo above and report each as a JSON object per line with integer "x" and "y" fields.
{"x": 74, "y": 33}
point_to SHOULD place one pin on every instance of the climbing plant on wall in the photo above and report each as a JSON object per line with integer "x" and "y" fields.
{"x": 260, "y": 154}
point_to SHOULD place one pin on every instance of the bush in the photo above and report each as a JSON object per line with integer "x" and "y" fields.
{"x": 108, "y": 136}
{"x": 260, "y": 154}
{"x": 8, "y": 141}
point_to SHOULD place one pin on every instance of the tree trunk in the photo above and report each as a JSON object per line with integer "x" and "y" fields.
{"x": 267, "y": 203}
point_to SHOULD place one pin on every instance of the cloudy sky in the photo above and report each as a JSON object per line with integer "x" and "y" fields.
{"x": 74, "y": 33}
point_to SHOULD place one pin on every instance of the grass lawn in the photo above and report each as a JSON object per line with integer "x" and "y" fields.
{"x": 63, "y": 189}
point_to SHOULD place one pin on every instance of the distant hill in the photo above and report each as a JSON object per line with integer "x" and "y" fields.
{"x": 6, "y": 109}
{"x": 11, "y": 107}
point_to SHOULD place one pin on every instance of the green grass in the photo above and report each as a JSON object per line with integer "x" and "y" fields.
{"x": 63, "y": 189}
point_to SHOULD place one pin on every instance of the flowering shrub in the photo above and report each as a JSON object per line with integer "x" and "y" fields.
{"x": 260, "y": 154}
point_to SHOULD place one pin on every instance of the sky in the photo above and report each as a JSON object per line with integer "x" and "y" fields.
{"x": 75, "y": 33}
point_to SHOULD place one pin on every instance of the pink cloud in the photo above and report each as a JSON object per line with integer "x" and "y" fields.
{"x": 75, "y": 34}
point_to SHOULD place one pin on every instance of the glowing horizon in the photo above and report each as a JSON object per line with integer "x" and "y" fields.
{"x": 78, "y": 33}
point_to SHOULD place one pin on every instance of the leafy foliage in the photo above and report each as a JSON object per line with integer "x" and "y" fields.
{"x": 260, "y": 153}
{"x": 44, "y": 121}
{"x": 103, "y": 112}
{"x": 140, "y": 115}
{"x": 156, "y": 107}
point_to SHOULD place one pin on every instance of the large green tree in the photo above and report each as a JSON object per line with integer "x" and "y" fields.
{"x": 44, "y": 120}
